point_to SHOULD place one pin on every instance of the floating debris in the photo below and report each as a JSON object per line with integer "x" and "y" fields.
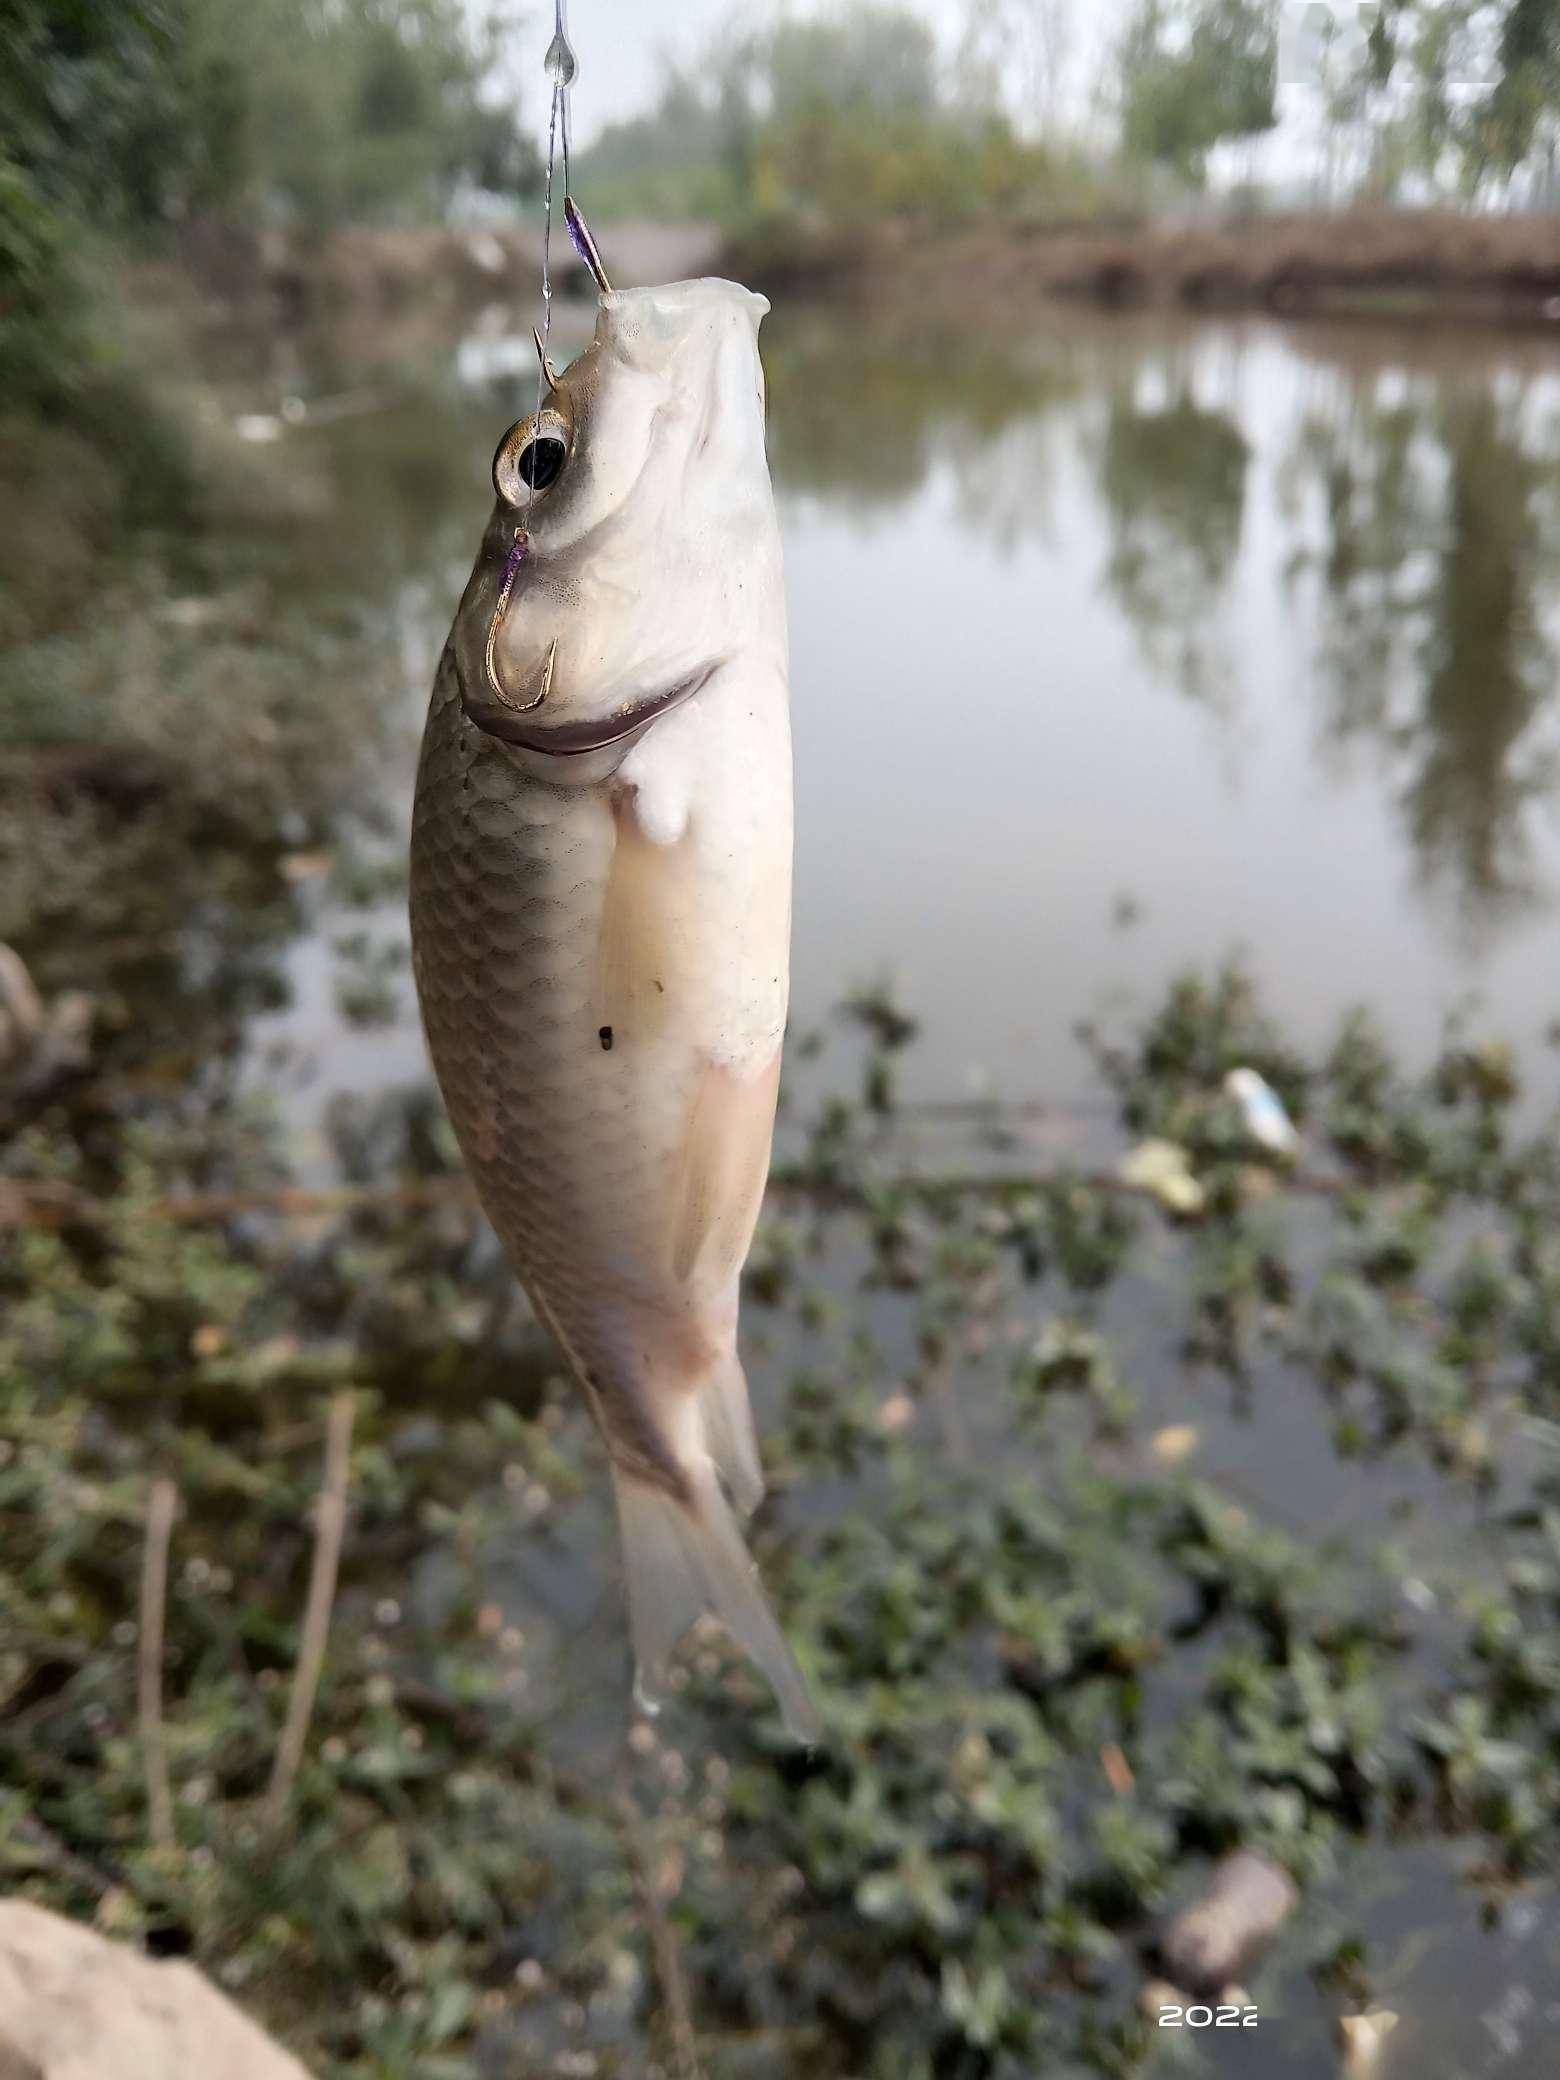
{"x": 1362, "y": 2037}
{"x": 1163, "y": 1169}
{"x": 1174, "y": 1444}
{"x": 1209, "y": 1945}
{"x": 1262, "y": 1112}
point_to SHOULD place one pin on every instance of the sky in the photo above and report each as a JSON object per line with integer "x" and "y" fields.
{"x": 619, "y": 43}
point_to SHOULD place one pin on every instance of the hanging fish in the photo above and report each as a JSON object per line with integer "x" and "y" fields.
{"x": 600, "y": 900}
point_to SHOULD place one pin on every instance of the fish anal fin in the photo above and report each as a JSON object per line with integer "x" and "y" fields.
{"x": 719, "y": 1183}
{"x": 729, "y": 1434}
{"x": 685, "y": 1558}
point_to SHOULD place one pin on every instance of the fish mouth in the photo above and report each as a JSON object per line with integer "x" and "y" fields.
{"x": 592, "y": 733}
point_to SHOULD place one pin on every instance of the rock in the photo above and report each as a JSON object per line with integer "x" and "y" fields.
{"x": 1210, "y": 1944}
{"x": 75, "y": 2006}
{"x": 40, "y": 1044}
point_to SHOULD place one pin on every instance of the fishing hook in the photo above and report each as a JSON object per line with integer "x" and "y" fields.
{"x": 517, "y": 556}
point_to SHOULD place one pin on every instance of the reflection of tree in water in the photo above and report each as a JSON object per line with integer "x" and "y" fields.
{"x": 1172, "y": 481}
{"x": 861, "y": 416}
{"x": 1442, "y": 532}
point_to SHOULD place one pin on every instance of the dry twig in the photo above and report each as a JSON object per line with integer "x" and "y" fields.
{"x": 329, "y": 1527}
{"x": 45, "y": 1203}
{"x": 663, "y": 1943}
{"x": 160, "y": 1507}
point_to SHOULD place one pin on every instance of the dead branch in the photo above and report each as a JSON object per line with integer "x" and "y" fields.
{"x": 48, "y": 1203}
{"x": 664, "y": 1949}
{"x": 330, "y": 1522}
{"x": 161, "y": 1505}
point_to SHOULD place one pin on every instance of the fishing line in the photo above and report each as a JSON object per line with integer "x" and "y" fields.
{"x": 561, "y": 67}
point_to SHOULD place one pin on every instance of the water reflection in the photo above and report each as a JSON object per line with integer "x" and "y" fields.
{"x": 1411, "y": 504}
{"x": 862, "y": 417}
{"x": 1340, "y": 552}
{"x": 1172, "y": 481}
{"x": 1441, "y": 546}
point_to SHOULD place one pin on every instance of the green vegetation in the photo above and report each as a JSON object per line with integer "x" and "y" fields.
{"x": 1189, "y": 75}
{"x": 990, "y": 1568}
{"x": 1192, "y": 74}
{"x": 129, "y": 127}
{"x": 852, "y": 115}
{"x": 143, "y": 114}
{"x": 833, "y": 119}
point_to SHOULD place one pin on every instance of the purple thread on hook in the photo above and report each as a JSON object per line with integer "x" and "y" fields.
{"x": 516, "y": 558}
{"x": 582, "y": 242}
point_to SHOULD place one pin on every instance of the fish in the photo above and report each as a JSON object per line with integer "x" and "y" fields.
{"x": 601, "y": 912}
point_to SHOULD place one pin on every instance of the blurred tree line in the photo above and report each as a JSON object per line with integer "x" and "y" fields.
{"x": 1417, "y": 98}
{"x": 856, "y": 111}
{"x": 143, "y": 112}
{"x": 848, "y": 114}
{"x": 129, "y": 118}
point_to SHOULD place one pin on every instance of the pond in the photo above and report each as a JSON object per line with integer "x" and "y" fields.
{"x": 1114, "y": 647}
{"x": 1117, "y": 647}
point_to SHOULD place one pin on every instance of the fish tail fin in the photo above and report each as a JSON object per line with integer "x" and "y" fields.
{"x": 686, "y": 1557}
{"x": 729, "y": 1435}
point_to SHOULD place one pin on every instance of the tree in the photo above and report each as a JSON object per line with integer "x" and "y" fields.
{"x": 1526, "y": 93}
{"x": 1192, "y": 74}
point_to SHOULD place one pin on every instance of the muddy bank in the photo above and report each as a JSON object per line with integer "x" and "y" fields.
{"x": 1502, "y": 270}
{"x": 393, "y": 270}
{"x": 1494, "y": 269}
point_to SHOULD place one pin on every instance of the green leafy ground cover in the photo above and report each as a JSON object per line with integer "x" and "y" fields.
{"x": 988, "y": 1566}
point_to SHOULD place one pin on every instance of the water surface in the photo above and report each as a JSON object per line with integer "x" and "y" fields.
{"x": 1114, "y": 648}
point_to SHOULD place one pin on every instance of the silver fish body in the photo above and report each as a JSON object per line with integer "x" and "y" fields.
{"x": 600, "y": 898}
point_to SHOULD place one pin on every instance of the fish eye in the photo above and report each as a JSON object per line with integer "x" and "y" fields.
{"x": 531, "y": 457}
{"x": 540, "y": 460}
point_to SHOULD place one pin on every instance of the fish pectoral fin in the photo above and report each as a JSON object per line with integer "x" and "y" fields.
{"x": 683, "y": 1558}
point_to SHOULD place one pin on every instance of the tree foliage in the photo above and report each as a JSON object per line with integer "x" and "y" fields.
{"x": 1454, "y": 95}
{"x": 831, "y": 117}
{"x": 142, "y": 112}
{"x": 1192, "y": 74}
{"x": 124, "y": 118}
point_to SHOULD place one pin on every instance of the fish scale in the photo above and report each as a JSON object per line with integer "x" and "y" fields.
{"x": 506, "y": 1005}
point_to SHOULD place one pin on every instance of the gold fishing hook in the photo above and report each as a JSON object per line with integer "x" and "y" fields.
{"x": 517, "y": 556}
